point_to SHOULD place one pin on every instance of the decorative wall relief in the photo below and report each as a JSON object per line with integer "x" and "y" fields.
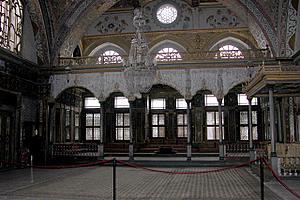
{"x": 223, "y": 18}
{"x": 291, "y": 29}
{"x": 111, "y": 24}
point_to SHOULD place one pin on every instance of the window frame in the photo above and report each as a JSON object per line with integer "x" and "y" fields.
{"x": 11, "y": 37}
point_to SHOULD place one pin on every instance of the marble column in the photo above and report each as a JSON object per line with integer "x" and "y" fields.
{"x": 189, "y": 131}
{"x": 291, "y": 119}
{"x": 147, "y": 118}
{"x": 221, "y": 142}
{"x": 101, "y": 144}
{"x": 131, "y": 151}
{"x": 274, "y": 160}
{"x": 252, "y": 152}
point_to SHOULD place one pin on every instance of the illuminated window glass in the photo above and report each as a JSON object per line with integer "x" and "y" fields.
{"x": 158, "y": 125}
{"x": 229, "y": 52}
{"x": 158, "y": 103}
{"x": 121, "y": 102}
{"x": 168, "y": 54}
{"x": 166, "y": 14}
{"x": 211, "y": 100}
{"x": 181, "y": 125}
{"x": 242, "y": 100}
{"x": 91, "y": 102}
{"x": 110, "y": 57}
{"x": 181, "y": 104}
{"x": 212, "y": 125}
{"x": 11, "y": 25}
{"x": 244, "y": 135}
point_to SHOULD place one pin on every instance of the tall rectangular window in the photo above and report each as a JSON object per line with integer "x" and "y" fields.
{"x": 244, "y": 123}
{"x": 77, "y": 126}
{"x": 158, "y": 125}
{"x": 212, "y": 125}
{"x": 92, "y": 126}
{"x": 181, "y": 125}
{"x": 122, "y": 126}
{"x": 67, "y": 125}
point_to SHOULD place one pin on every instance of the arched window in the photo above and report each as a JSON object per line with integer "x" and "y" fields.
{"x": 110, "y": 57}
{"x": 11, "y": 24}
{"x": 229, "y": 52}
{"x": 168, "y": 54}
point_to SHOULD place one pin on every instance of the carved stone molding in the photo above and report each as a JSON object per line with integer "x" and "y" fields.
{"x": 186, "y": 82}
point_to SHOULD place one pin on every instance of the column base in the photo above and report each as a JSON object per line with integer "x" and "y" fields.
{"x": 131, "y": 156}
{"x": 101, "y": 151}
{"x": 252, "y": 154}
{"x": 221, "y": 151}
{"x": 275, "y": 163}
{"x": 189, "y": 152}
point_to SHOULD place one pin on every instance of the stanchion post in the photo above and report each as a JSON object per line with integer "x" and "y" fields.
{"x": 114, "y": 178}
{"x": 261, "y": 178}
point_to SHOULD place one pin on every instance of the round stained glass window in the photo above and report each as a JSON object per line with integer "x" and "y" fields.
{"x": 166, "y": 14}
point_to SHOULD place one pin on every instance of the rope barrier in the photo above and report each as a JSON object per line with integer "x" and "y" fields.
{"x": 188, "y": 172}
{"x": 280, "y": 180}
{"x": 73, "y": 166}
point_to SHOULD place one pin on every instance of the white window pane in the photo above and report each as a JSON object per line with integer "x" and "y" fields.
{"x": 91, "y": 102}
{"x": 254, "y": 101}
{"x": 119, "y": 133}
{"x": 255, "y": 133}
{"x": 161, "y": 120}
{"x": 154, "y": 131}
{"x": 126, "y": 134}
{"x": 76, "y": 133}
{"x": 96, "y": 133}
{"x": 181, "y": 104}
{"x": 121, "y": 102}
{"x": 254, "y": 117}
{"x": 77, "y": 119}
{"x": 244, "y": 117}
{"x": 244, "y": 133}
{"x": 182, "y": 131}
{"x": 210, "y": 118}
{"x": 158, "y": 103}
{"x": 126, "y": 119}
{"x": 242, "y": 99}
{"x": 211, "y": 100}
{"x": 88, "y": 133}
{"x": 161, "y": 131}
{"x": 67, "y": 117}
{"x": 180, "y": 119}
{"x": 89, "y": 119}
{"x": 210, "y": 133}
{"x": 154, "y": 119}
{"x": 97, "y": 119}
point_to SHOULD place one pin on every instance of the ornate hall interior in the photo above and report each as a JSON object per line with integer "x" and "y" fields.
{"x": 93, "y": 79}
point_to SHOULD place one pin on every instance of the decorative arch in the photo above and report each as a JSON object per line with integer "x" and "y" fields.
{"x": 230, "y": 41}
{"x": 40, "y": 34}
{"x": 107, "y": 46}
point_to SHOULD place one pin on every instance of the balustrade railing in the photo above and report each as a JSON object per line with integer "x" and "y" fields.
{"x": 250, "y": 54}
{"x": 242, "y": 147}
{"x": 75, "y": 149}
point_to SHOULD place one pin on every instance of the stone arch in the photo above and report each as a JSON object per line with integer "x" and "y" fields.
{"x": 235, "y": 39}
{"x": 165, "y": 39}
{"x": 96, "y": 46}
{"x": 40, "y": 34}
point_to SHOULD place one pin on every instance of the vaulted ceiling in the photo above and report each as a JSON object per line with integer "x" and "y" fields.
{"x": 62, "y": 23}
